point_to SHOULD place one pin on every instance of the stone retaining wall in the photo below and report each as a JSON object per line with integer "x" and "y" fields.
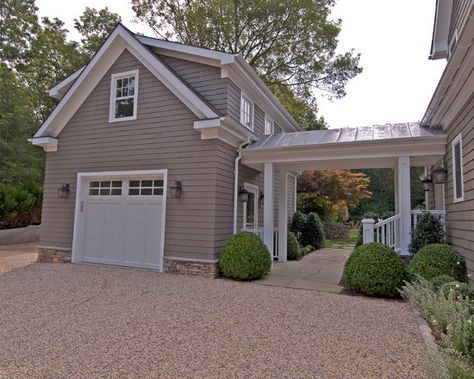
{"x": 20, "y": 235}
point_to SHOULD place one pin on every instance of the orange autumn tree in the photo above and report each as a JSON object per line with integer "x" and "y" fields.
{"x": 330, "y": 193}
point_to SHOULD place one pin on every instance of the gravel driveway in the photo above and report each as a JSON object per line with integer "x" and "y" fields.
{"x": 61, "y": 320}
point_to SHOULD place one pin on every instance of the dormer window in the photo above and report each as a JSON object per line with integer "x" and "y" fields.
{"x": 246, "y": 112}
{"x": 123, "y": 96}
{"x": 269, "y": 125}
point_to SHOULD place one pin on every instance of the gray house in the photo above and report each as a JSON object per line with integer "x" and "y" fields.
{"x": 143, "y": 166}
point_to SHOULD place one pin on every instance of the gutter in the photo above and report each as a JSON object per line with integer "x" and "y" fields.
{"x": 236, "y": 183}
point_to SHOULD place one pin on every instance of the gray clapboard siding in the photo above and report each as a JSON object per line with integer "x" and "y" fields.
{"x": 161, "y": 137}
{"x": 459, "y": 14}
{"x": 460, "y": 215}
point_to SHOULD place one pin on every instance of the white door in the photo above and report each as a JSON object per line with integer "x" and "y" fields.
{"x": 123, "y": 221}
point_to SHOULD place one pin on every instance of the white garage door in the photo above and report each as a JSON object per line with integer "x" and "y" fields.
{"x": 123, "y": 221}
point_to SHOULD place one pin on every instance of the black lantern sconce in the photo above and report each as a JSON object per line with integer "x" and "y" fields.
{"x": 243, "y": 195}
{"x": 439, "y": 175}
{"x": 63, "y": 191}
{"x": 175, "y": 190}
{"x": 427, "y": 182}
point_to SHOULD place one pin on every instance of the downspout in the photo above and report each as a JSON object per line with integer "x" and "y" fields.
{"x": 236, "y": 183}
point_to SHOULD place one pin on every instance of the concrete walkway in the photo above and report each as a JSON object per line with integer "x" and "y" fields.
{"x": 318, "y": 271}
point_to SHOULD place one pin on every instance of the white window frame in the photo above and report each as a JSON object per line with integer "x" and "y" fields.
{"x": 272, "y": 126}
{"x": 252, "y": 188}
{"x": 457, "y": 140}
{"x": 113, "y": 85}
{"x": 243, "y": 98}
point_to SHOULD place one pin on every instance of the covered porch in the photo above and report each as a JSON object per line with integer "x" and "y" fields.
{"x": 397, "y": 146}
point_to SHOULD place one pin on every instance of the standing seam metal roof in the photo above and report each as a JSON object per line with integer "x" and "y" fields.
{"x": 345, "y": 135}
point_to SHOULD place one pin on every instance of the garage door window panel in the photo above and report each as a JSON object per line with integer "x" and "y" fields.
{"x": 105, "y": 188}
{"x": 147, "y": 187}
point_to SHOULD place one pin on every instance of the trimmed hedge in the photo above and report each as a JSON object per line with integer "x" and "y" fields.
{"x": 245, "y": 257}
{"x": 374, "y": 269}
{"x": 293, "y": 247}
{"x": 436, "y": 260}
{"x": 438, "y": 281}
{"x": 308, "y": 229}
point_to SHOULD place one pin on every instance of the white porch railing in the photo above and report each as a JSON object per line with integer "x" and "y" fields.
{"x": 259, "y": 232}
{"x": 388, "y": 231}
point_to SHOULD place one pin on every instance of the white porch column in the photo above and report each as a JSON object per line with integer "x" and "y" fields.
{"x": 404, "y": 203}
{"x": 268, "y": 207}
{"x": 396, "y": 192}
{"x": 282, "y": 216}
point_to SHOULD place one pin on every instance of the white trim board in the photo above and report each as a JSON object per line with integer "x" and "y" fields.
{"x": 455, "y": 141}
{"x": 113, "y": 84}
{"x": 118, "y": 41}
{"x": 81, "y": 193}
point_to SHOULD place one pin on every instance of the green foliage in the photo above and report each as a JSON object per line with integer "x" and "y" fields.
{"x": 308, "y": 229}
{"x": 438, "y": 281}
{"x": 429, "y": 230}
{"x": 438, "y": 259}
{"x": 293, "y": 247}
{"x": 448, "y": 314}
{"x": 95, "y": 26}
{"x": 306, "y": 250}
{"x": 336, "y": 230}
{"x": 457, "y": 290}
{"x": 19, "y": 204}
{"x": 244, "y": 257}
{"x": 374, "y": 269}
{"x": 293, "y": 61}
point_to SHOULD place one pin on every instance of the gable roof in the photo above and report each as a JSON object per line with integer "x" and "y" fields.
{"x": 84, "y": 81}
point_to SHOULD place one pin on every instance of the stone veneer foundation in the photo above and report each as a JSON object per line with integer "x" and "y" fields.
{"x": 205, "y": 269}
{"x": 46, "y": 254}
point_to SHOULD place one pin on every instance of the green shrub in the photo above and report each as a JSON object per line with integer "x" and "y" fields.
{"x": 436, "y": 260}
{"x": 336, "y": 230}
{"x": 20, "y": 204}
{"x": 429, "y": 230}
{"x": 293, "y": 247}
{"x": 307, "y": 249}
{"x": 461, "y": 291}
{"x": 244, "y": 257}
{"x": 308, "y": 229}
{"x": 374, "y": 269}
{"x": 438, "y": 281}
{"x": 467, "y": 338}
{"x": 312, "y": 233}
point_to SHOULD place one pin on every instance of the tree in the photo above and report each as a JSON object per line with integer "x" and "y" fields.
{"x": 95, "y": 26}
{"x": 328, "y": 192}
{"x": 290, "y": 43}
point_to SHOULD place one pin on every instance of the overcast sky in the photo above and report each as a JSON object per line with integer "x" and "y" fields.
{"x": 393, "y": 38}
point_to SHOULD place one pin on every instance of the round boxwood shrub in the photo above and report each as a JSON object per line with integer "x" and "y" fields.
{"x": 460, "y": 291}
{"x": 244, "y": 257}
{"x": 438, "y": 259}
{"x": 374, "y": 269}
{"x": 293, "y": 247}
{"x": 438, "y": 281}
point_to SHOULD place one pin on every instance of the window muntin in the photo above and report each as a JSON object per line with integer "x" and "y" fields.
{"x": 269, "y": 126}
{"x": 105, "y": 188}
{"x": 123, "y": 102}
{"x": 246, "y": 112}
{"x": 458, "y": 180}
{"x": 147, "y": 187}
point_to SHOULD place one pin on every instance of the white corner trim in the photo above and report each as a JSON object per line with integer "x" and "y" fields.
{"x": 81, "y": 190}
{"x": 118, "y": 41}
{"x": 113, "y": 83}
{"x": 49, "y": 144}
{"x": 217, "y": 129}
{"x": 455, "y": 141}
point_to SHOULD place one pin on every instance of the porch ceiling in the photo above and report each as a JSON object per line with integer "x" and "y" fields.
{"x": 376, "y": 146}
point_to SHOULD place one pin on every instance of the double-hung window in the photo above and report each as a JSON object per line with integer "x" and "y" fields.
{"x": 246, "y": 112}
{"x": 269, "y": 125}
{"x": 123, "y": 96}
{"x": 458, "y": 181}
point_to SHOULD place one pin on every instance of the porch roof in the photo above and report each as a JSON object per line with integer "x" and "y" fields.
{"x": 360, "y": 147}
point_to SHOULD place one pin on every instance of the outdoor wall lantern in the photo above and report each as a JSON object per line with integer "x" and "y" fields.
{"x": 426, "y": 181}
{"x": 439, "y": 175}
{"x": 243, "y": 195}
{"x": 175, "y": 190}
{"x": 63, "y": 191}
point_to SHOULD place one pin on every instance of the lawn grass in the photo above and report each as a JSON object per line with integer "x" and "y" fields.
{"x": 345, "y": 243}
